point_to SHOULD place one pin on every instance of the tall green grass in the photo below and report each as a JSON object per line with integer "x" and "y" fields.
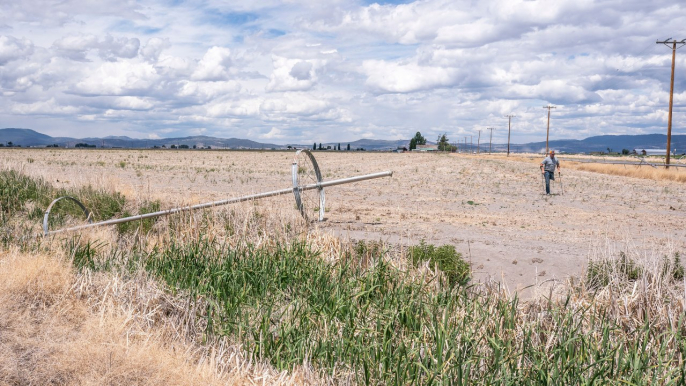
{"x": 22, "y": 195}
{"x": 445, "y": 258}
{"x": 374, "y": 324}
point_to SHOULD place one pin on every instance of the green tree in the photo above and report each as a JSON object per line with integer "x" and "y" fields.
{"x": 443, "y": 144}
{"x": 348, "y": 149}
{"x": 418, "y": 139}
{"x": 625, "y": 151}
{"x": 314, "y": 147}
{"x": 339, "y": 147}
{"x": 320, "y": 146}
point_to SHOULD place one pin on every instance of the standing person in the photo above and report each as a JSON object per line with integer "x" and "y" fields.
{"x": 548, "y": 169}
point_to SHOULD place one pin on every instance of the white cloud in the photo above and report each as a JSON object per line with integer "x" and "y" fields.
{"x": 274, "y": 133}
{"x": 293, "y": 74}
{"x": 12, "y": 48}
{"x": 77, "y": 47}
{"x": 340, "y": 70}
{"x": 153, "y": 48}
{"x": 132, "y": 103}
{"x": 214, "y": 65}
{"x": 204, "y": 92}
{"x": 394, "y": 77}
{"x": 120, "y": 78}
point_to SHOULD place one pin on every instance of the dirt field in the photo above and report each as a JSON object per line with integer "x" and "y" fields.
{"x": 491, "y": 208}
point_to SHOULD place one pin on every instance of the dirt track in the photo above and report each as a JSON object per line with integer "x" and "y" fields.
{"x": 490, "y": 208}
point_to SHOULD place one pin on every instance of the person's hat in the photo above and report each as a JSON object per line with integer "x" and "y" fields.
{"x": 552, "y": 152}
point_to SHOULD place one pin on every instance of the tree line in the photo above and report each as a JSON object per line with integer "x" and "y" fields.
{"x": 442, "y": 142}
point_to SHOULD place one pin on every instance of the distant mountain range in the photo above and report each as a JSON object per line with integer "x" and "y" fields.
{"x": 27, "y": 137}
{"x": 601, "y": 143}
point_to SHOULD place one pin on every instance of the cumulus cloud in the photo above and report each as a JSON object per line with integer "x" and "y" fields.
{"x": 202, "y": 92}
{"x": 77, "y": 47}
{"x": 274, "y": 133}
{"x": 153, "y": 48}
{"x": 293, "y": 74}
{"x": 12, "y": 48}
{"x": 291, "y": 70}
{"x": 132, "y": 103}
{"x": 119, "y": 78}
{"x": 214, "y": 66}
{"x": 301, "y": 71}
{"x": 395, "y": 77}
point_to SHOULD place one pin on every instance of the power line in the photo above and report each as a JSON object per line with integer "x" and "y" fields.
{"x": 509, "y": 121}
{"x": 673, "y": 42}
{"x": 547, "y": 134}
{"x": 490, "y": 143}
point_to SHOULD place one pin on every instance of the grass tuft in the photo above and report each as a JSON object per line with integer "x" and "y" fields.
{"x": 445, "y": 258}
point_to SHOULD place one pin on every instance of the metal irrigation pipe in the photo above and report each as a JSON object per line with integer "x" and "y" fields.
{"x": 320, "y": 185}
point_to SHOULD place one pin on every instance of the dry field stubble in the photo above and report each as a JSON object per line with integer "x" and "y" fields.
{"x": 489, "y": 207}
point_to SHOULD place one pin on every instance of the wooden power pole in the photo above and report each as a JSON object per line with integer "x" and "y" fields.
{"x": 674, "y": 47}
{"x": 478, "y": 143}
{"x": 490, "y": 143}
{"x": 547, "y": 133}
{"x": 509, "y": 121}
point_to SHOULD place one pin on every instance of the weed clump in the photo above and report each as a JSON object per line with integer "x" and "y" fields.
{"x": 603, "y": 272}
{"x": 445, "y": 258}
{"x": 17, "y": 189}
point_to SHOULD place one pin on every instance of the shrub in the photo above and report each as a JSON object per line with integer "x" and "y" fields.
{"x": 445, "y": 258}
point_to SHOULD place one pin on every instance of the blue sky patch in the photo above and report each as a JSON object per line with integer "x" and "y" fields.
{"x": 232, "y": 18}
{"x": 386, "y": 2}
{"x": 129, "y": 26}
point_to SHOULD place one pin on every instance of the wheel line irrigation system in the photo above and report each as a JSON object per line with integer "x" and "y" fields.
{"x": 304, "y": 166}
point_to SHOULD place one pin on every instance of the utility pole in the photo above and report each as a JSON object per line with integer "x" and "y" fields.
{"x": 673, "y": 42}
{"x": 490, "y": 143}
{"x": 547, "y": 134}
{"x": 471, "y": 144}
{"x": 509, "y": 121}
{"x": 478, "y": 143}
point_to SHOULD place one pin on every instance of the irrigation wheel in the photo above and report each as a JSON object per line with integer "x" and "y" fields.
{"x": 309, "y": 195}
{"x": 46, "y": 217}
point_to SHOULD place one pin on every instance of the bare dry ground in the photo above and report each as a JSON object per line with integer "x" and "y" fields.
{"x": 490, "y": 207}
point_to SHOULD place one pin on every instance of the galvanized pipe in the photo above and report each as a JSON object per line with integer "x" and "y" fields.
{"x": 224, "y": 202}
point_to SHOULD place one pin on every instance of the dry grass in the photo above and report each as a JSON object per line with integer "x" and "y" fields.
{"x": 61, "y": 327}
{"x": 645, "y": 172}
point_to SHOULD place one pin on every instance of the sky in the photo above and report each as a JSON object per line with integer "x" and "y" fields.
{"x": 303, "y": 71}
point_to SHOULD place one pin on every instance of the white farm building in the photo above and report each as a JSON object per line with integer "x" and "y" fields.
{"x": 650, "y": 151}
